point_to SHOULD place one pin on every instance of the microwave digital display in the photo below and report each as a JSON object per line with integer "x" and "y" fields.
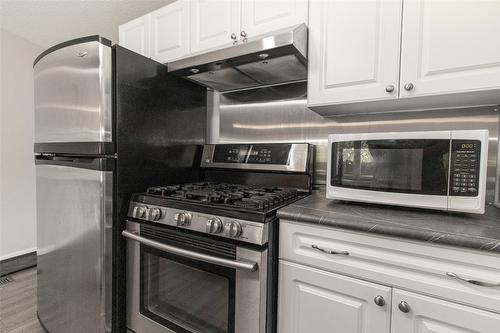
{"x": 417, "y": 166}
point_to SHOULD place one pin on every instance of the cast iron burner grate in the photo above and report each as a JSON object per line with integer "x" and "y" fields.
{"x": 230, "y": 195}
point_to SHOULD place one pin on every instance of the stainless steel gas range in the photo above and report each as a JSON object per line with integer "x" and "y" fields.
{"x": 202, "y": 257}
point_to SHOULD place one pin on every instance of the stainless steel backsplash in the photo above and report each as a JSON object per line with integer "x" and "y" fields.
{"x": 279, "y": 114}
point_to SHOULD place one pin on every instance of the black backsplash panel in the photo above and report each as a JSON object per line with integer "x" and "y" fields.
{"x": 159, "y": 134}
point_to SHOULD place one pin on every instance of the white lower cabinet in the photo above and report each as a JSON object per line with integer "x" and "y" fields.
{"x": 314, "y": 301}
{"x": 431, "y": 315}
{"x": 330, "y": 281}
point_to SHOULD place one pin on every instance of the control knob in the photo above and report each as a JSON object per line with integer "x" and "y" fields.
{"x": 139, "y": 212}
{"x": 154, "y": 214}
{"x": 214, "y": 225}
{"x": 182, "y": 219}
{"x": 233, "y": 229}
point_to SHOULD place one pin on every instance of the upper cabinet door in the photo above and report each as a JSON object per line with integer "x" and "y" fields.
{"x": 354, "y": 49}
{"x": 262, "y": 16}
{"x": 450, "y": 46}
{"x": 213, "y": 22}
{"x": 311, "y": 300}
{"x": 134, "y": 35}
{"x": 170, "y": 32}
{"x": 430, "y": 315}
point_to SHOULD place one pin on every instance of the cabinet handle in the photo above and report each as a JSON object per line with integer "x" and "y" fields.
{"x": 389, "y": 88}
{"x": 379, "y": 300}
{"x": 234, "y": 37}
{"x": 244, "y": 35}
{"x": 474, "y": 282}
{"x": 409, "y": 86}
{"x": 404, "y": 307}
{"x": 345, "y": 253}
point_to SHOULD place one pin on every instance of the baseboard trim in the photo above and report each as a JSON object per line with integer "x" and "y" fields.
{"x": 18, "y": 263}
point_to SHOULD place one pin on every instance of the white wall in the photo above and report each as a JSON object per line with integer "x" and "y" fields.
{"x": 17, "y": 170}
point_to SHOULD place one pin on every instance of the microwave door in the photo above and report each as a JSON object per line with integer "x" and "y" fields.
{"x": 416, "y": 166}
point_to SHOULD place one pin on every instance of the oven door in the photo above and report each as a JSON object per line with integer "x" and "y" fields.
{"x": 182, "y": 283}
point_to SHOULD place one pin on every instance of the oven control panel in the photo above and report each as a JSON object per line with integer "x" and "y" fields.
{"x": 464, "y": 169}
{"x": 242, "y": 230}
{"x": 288, "y": 157}
{"x": 277, "y": 154}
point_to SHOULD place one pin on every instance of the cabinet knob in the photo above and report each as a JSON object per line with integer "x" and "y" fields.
{"x": 233, "y": 36}
{"x": 379, "y": 300}
{"x": 243, "y": 34}
{"x": 404, "y": 307}
{"x": 389, "y": 88}
{"x": 409, "y": 86}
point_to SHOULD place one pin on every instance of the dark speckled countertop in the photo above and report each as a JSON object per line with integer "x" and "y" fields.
{"x": 481, "y": 232}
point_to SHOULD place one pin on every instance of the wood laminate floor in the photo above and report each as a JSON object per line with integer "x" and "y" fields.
{"x": 18, "y": 304}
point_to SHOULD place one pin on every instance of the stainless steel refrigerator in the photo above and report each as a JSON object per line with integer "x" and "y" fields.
{"x": 108, "y": 122}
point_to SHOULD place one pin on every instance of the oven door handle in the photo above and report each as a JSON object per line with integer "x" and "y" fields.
{"x": 244, "y": 265}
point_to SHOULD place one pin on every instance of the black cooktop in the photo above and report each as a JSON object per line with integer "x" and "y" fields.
{"x": 257, "y": 203}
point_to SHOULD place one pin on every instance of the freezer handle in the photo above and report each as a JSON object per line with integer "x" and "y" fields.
{"x": 91, "y": 163}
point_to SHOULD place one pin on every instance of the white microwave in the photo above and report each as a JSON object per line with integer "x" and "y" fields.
{"x": 443, "y": 170}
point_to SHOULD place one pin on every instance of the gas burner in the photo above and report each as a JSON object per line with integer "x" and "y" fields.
{"x": 228, "y": 195}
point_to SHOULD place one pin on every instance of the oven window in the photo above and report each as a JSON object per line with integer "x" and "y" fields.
{"x": 417, "y": 166}
{"x": 186, "y": 295}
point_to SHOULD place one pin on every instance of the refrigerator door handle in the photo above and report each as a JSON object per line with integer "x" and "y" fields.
{"x": 91, "y": 163}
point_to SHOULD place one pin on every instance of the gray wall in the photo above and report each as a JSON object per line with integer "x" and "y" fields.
{"x": 17, "y": 168}
{"x": 279, "y": 114}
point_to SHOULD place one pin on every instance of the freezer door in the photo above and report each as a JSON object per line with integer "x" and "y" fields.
{"x": 73, "y": 91}
{"x": 74, "y": 235}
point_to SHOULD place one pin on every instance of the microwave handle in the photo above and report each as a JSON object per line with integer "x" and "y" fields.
{"x": 244, "y": 265}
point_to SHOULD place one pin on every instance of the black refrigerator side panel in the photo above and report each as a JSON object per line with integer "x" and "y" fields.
{"x": 159, "y": 134}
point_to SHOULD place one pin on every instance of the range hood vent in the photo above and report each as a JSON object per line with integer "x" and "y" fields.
{"x": 270, "y": 59}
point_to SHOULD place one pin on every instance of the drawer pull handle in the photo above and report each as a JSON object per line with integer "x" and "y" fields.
{"x": 345, "y": 253}
{"x": 474, "y": 282}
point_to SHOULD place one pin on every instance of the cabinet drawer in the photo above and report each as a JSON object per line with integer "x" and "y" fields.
{"x": 410, "y": 265}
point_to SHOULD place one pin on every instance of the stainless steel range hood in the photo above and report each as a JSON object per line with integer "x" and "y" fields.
{"x": 269, "y": 59}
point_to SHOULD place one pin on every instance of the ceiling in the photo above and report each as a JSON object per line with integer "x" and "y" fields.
{"x": 49, "y": 22}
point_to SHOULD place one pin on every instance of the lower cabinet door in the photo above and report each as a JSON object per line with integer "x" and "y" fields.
{"x": 413, "y": 313}
{"x": 315, "y": 301}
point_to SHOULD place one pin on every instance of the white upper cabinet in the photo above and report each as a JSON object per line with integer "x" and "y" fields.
{"x": 354, "y": 49}
{"x": 186, "y": 27}
{"x": 170, "y": 32}
{"x": 314, "y": 301}
{"x": 450, "y": 46}
{"x": 214, "y": 23}
{"x": 412, "y": 313}
{"x": 263, "y": 16}
{"x": 134, "y": 35}
{"x": 391, "y": 55}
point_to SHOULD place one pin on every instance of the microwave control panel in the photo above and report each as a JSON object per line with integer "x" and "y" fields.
{"x": 465, "y": 157}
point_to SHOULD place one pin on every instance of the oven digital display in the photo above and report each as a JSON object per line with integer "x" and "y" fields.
{"x": 277, "y": 154}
